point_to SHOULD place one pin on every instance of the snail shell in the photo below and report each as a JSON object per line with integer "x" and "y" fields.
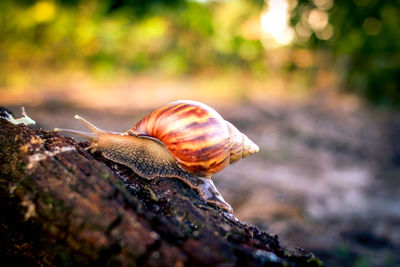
{"x": 186, "y": 140}
{"x": 200, "y": 140}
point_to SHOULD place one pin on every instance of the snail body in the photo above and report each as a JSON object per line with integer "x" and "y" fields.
{"x": 186, "y": 140}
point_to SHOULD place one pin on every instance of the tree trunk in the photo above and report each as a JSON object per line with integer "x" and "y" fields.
{"x": 60, "y": 205}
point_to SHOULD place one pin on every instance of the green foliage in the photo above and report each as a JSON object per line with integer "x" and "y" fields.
{"x": 366, "y": 46}
{"x": 183, "y": 36}
{"x": 170, "y": 37}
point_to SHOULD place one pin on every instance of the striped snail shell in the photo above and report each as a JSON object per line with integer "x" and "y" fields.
{"x": 184, "y": 139}
{"x": 196, "y": 135}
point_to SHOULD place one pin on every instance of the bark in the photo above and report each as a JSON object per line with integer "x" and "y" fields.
{"x": 60, "y": 205}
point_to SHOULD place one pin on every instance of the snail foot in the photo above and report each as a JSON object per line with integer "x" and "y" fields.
{"x": 209, "y": 193}
{"x": 207, "y": 190}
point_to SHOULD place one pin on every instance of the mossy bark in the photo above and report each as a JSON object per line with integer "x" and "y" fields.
{"x": 60, "y": 205}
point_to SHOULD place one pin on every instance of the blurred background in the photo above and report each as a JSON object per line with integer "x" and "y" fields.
{"x": 315, "y": 83}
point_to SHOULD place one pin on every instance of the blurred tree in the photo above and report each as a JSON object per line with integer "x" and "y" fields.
{"x": 181, "y": 36}
{"x": 365, "y": 38}
{"x": 169, "y": 36}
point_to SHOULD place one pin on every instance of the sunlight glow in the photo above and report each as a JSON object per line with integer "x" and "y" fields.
{"x": 274, "y": 22}
{"x": 323, "y": 4}
{"x": 318, "y": 19}
{"x": 315, "y": 20}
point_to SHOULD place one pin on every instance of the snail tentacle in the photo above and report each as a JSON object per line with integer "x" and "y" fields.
{"x": 88, "y": 135}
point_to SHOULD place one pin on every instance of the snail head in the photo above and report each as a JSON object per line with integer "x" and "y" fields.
{"x": 94, "y": 137}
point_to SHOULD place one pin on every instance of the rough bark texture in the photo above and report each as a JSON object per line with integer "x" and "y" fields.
{"x": 60, "y": 205}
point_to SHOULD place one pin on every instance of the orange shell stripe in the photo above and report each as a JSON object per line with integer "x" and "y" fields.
{"x": 195, "y": 134}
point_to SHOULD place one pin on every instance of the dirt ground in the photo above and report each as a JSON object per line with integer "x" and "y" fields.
{"x": 325, "y": 179}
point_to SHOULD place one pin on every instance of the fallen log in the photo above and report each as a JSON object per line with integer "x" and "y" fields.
{"x": 60, "y": 205}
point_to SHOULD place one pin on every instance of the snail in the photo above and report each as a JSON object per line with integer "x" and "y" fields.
{"x": 186, "y": 140}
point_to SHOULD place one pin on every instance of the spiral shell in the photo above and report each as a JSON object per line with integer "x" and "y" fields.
{"x": 201, "y": 141}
